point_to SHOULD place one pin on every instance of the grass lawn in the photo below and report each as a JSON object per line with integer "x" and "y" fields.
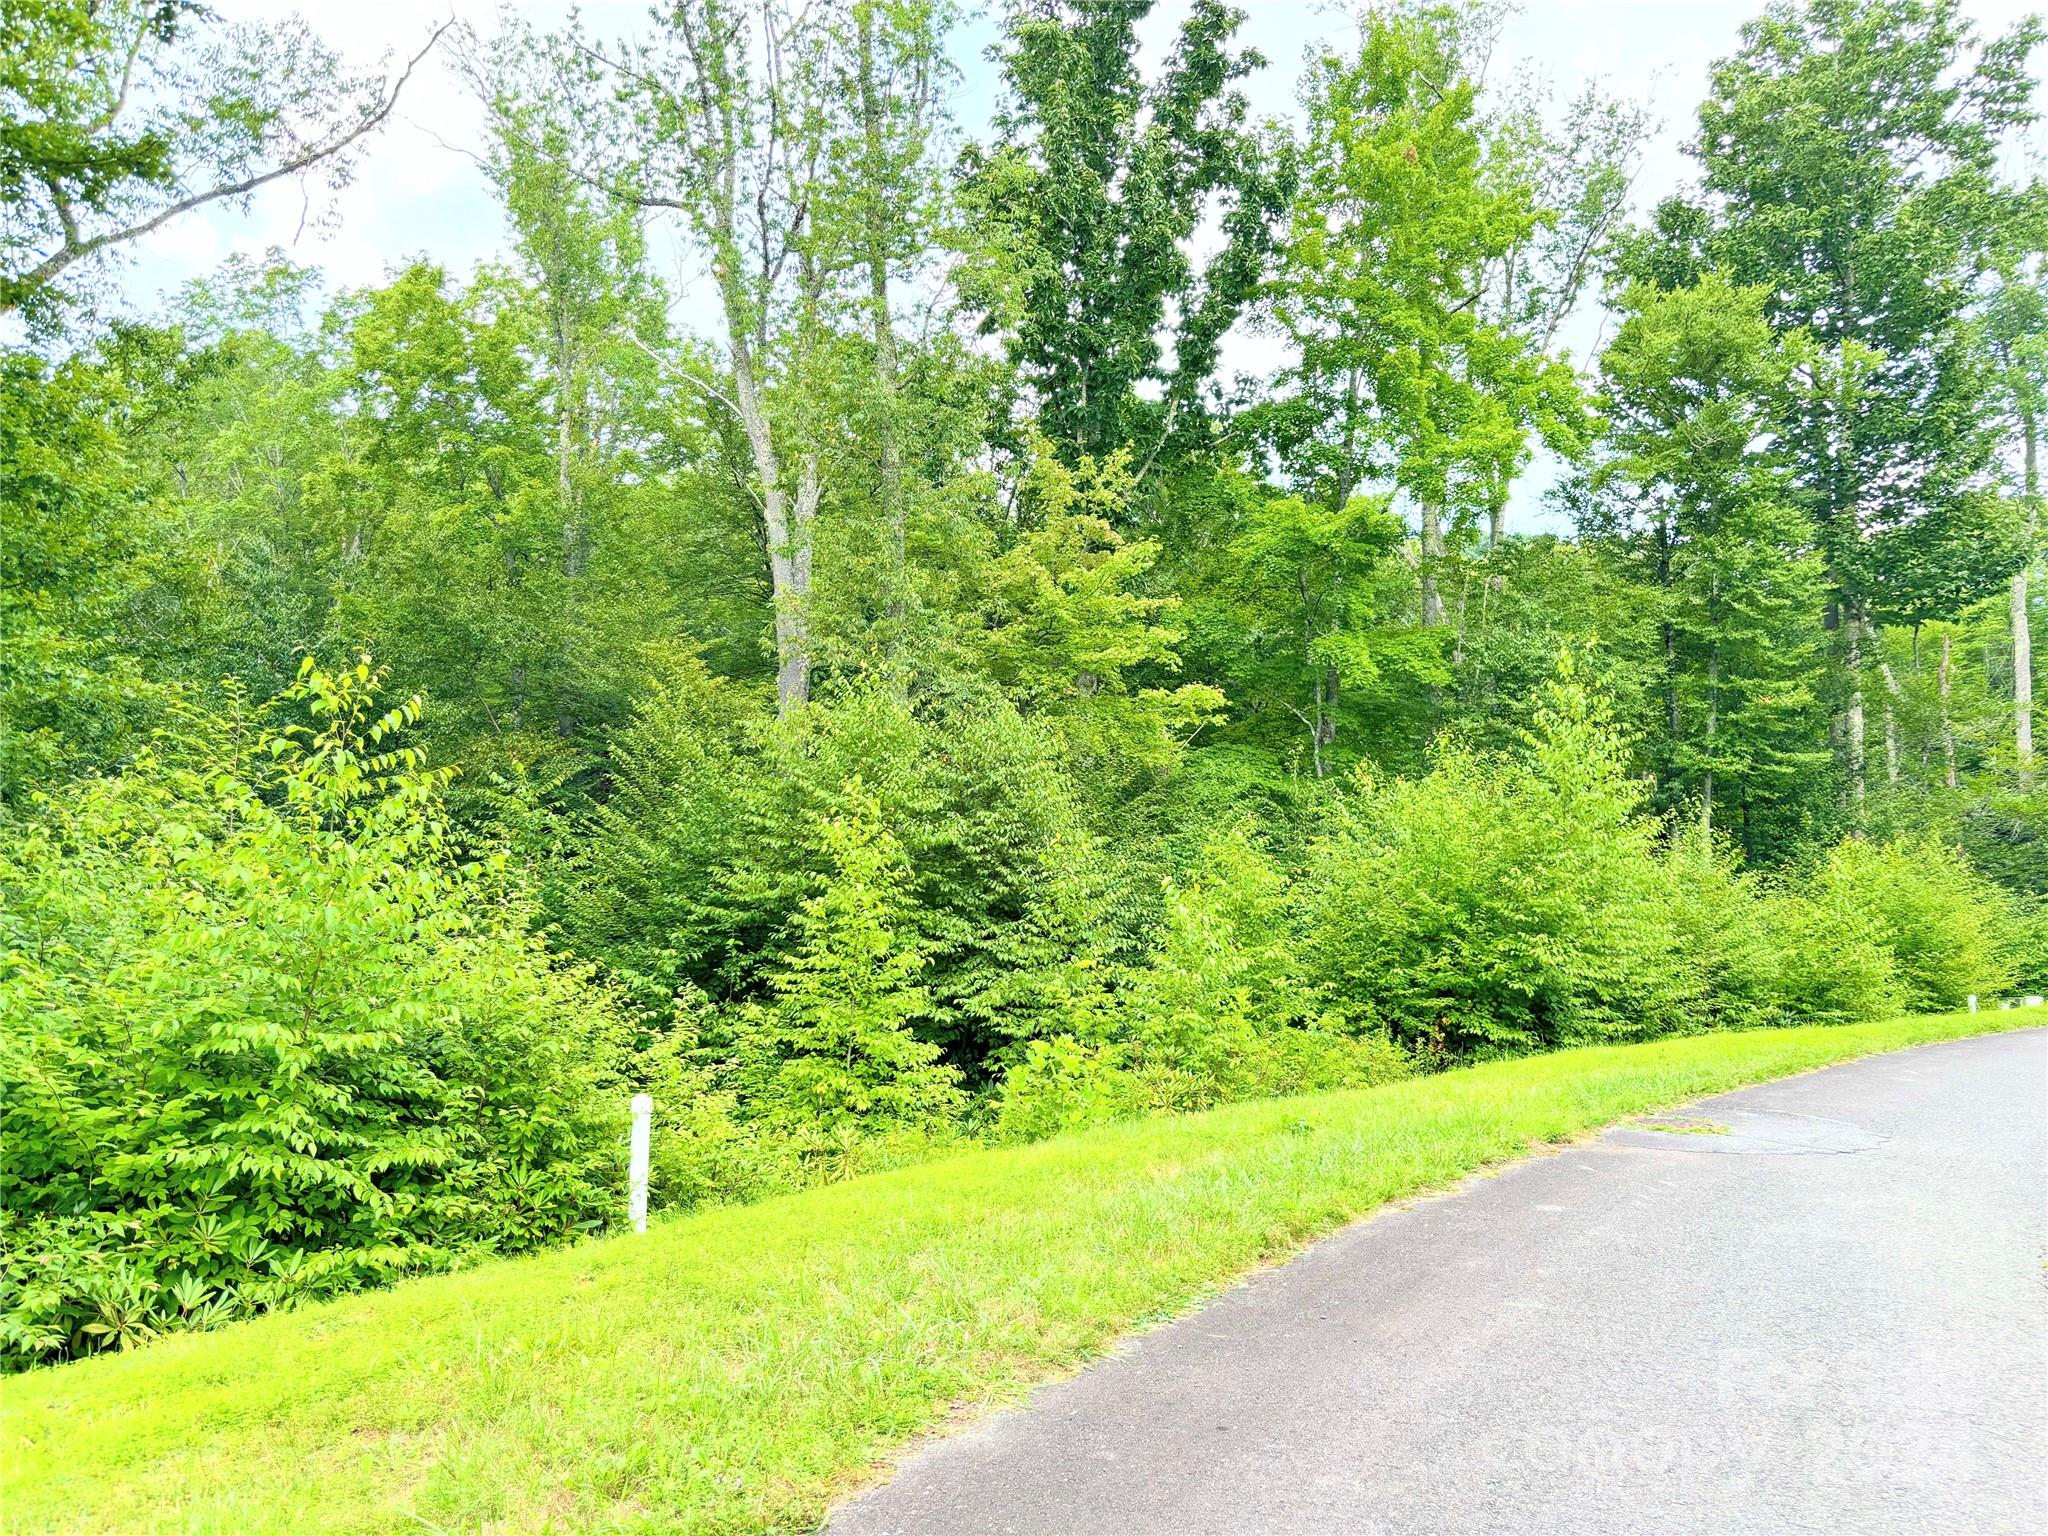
{"x": 737, "y": 1369}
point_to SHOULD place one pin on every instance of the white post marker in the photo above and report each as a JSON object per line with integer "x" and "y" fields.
{"x": 1973, "y": 1002}
{"x": 643, "y": 1141}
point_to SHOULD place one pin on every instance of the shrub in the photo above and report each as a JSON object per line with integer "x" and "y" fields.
{"x": 1833, "y": 965}
{"x": 833, "y": 1052}
{"x": 1761, "y": 954}
{"x": 1723, "y": 923}
{"x": 1061, "y": 1084}
{"x": 267, "y": 1037}
{"x": 2023, "y": 946}
{"x": 692, "y": 876}
{"x": 1938, "y": 918}
{"x": 1219, "y": 1013}
{"x": 643, "y": 895}
{"x": 1197, "y": 1017}
{"x": 1499, "y": 903}
{"x": 705, "y": 1150}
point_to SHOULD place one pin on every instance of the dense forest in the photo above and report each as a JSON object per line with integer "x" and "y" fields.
{"x": 943, "y": 693}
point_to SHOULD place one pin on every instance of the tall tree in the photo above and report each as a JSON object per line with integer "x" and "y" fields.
{"x": 1849, "y": 155}
{"x": 2016, "y": 329}
{"x": 1309, "y": 594}
{"x": 1089, "y": 216}
{"x": 719, "y": 119}
{"x": 892, "y": 83}
{"x": 1579, "y": 164}
{"x": 1697, "y": 387}
{"x": 1398, "y": 374}
{"x": 71, "y": 689}
{"x": 604, "y": 323}
{"x": 793, "y": 142}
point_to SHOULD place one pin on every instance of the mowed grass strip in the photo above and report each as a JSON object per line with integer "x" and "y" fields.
{"x": 736, "y": 1369}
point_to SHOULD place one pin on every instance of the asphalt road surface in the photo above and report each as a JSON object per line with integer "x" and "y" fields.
{"x": 1823, "y": 1310}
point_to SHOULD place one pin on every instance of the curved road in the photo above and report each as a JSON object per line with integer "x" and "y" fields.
{"x": 1818, "y": 1305}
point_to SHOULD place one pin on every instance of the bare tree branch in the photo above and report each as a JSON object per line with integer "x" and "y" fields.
{"x": 76, "y": 249}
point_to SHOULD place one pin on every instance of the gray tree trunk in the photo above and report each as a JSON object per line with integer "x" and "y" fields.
{"x": 1948, "y": 733}
{"x": 789, "y": 554}
{"x": 2022, "y": 637}
{"x": 886, "y": 373}
{"x": 1855, "y": 716}
{"x": 1432, "y": 559}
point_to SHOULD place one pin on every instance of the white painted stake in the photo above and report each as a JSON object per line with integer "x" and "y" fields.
{"x": 643, "y": 1142}
{"x": 1973, "y": 1002}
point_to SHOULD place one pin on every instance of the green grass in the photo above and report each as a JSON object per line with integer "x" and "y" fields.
{"x": 736, "y": 1369}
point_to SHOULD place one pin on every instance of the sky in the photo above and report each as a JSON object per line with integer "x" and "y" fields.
{"x": 419, "y": 191}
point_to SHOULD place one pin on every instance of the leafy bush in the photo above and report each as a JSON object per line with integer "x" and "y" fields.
{"x": 1874, "y": 929}
{"x": 1059, "y": 1084}
{"x": 833, "y": 1051}
{"x": 1196, "y": 1018}
{"x": 272, "y": 1036}
{"x": 268, "y": 1037}
{"x": 1763, "y": 954}
{"x": 1723, "y": 921}
{"x": 2023, "y": 948}
{"x": 694, "y": 873}
{"x": 1501, "y": 903}
{"x": 1937, "y": 916}
{"x": 1833, "y": 965}
{"x": 642, "y": 894}
{"x": 1219, "y": 1013}
{"x": 705, "y": 1150}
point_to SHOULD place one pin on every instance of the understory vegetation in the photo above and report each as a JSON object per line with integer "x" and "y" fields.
{"x": 954, "y": 700}
{"x": 280, "y": 1036}
{"x": 736, "y": 1369}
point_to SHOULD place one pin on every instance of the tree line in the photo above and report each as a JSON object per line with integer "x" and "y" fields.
{"x": 951, "y": 694}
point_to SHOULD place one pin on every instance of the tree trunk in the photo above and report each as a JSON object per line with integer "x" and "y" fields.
{"x": 1670, "y": 634}
{"x": 2022, "y": 677}
{"x": 565, "y": 422}
{"x": 1713, "y": 725}
{"x": 888, "y": 451}
{"x": 2022, "y": 637}
{"x": 1331, "y": 687}
{"x": 1315, "y": 732}
{"x": 1322, "y": 729}
{"x": 1432, "y": 557}
{"x": 1458, "y": 646}
{"x": 789, "y": 578}
{"x": 1948, "y": 734}
{"x": 792, "y": 628}
{"x": 1891, "y": 712}
{"x": 569, "y": 443}
{"x": 1854, "y": 661}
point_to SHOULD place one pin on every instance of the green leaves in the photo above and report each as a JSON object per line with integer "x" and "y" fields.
{"x": 1498, "y": 903}
{"x": 117, "y": 117}
{"x": 1849, "y": 155}
{"x": 1069, "y": 633}
{"x": 267, "y": 1039}
{"x": 1394, "y": 230}
{"x": 1085, "y": 221}
{"x": 1127, "y": 748}
{"x": 1694, "y": 479}
{"x": 833, "y": 1048}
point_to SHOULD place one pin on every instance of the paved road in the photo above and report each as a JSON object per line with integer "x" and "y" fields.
{"x": 1833, "y": 1318}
